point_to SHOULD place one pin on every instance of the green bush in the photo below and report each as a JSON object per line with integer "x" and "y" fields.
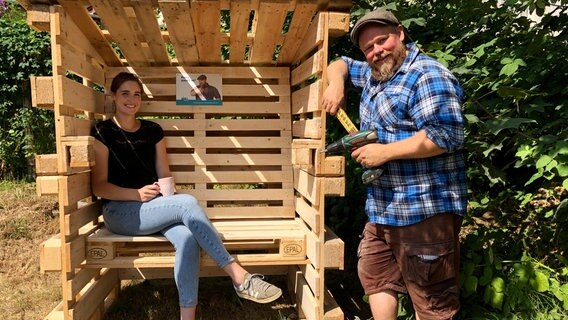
{"x": 513, "y": 73}
{"x": 26, "y": 131}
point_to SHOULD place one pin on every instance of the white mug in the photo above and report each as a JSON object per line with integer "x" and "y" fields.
{"x": 167, "y": 186}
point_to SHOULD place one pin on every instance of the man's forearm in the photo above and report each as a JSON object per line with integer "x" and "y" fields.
{"x": 337, "y": 72}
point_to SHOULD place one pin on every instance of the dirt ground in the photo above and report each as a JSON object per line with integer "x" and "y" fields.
{"x": 26, "y": 220}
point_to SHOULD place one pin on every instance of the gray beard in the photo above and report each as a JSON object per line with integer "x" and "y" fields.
{"x": 389, "y": 68}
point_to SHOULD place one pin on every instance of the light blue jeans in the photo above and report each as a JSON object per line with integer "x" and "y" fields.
{"x": 184, "y": 223}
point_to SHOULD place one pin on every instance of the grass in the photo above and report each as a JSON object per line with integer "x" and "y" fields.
{"x": 26, "y": 220}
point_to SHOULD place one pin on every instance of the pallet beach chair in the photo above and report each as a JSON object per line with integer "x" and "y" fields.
{"x": 253, "y": 162}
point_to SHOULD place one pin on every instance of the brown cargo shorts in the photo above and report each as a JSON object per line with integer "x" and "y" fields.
{"x": 421, "y": 260}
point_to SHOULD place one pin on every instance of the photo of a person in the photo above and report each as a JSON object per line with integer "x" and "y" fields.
{"x": 205, "y": 91}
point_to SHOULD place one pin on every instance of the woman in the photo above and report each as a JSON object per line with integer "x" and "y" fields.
{"x": 130, "y": 157}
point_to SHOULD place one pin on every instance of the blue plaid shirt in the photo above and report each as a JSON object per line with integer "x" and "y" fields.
{"x": 422, "y": 95}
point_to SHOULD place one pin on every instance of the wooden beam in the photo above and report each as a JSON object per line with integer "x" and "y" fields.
{"x": 46, "y": 164}
{"x": 76, "y": 10}
{"x": 301, "y": 19}
{"x": 271, "y": 16}
{"x": 181, "y": 31}
{"x": 38, "y": 17}
{"x": 42, "y": 92}
{"x": 206, "y": 17}
{"x": 334, "y": 250}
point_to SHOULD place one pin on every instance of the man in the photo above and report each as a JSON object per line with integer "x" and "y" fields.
{"x": 204, "y": 90}
{"x": 410, "y": 244}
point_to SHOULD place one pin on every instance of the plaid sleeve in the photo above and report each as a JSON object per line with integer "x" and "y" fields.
{"x": 359, "y": 72}
{"x": 436, "y": 108}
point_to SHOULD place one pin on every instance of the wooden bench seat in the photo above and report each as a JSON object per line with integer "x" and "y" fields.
{"x": 256, "y": 242}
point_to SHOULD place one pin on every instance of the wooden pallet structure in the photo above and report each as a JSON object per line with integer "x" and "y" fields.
{"x": 254, "y": 162}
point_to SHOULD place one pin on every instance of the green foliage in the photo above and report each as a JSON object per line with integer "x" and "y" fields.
{"x": 509, "y": 58}
{"x": 26, "y": 131}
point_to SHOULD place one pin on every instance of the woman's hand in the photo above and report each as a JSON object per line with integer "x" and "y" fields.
{"x": 148, "y": 192}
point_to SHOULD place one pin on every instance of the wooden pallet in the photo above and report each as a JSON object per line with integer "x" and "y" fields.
{"x": 254, "y": 163}
{"x": 264, "y": 242}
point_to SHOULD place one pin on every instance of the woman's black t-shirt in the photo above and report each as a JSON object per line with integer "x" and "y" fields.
{"x": 132, "y": 155}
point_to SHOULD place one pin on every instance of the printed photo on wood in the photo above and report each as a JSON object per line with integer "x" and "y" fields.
{"x": 199, "y": 89}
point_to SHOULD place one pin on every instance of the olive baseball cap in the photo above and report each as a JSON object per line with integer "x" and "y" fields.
{"x": 379, "y": 16}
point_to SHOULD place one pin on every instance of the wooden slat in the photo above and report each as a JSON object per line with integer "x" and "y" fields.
{"x": 266, "y": 90}
{"x": 229, "y": 142}
{"x": 72, "y": 126}
{"x": 92, "y": 33}
{"x": 240, "y": 12}
{"x": 81, "y": 279}
{"x": 314, "y": 37}
{"x": 233, "y": 72}
{"x": 180, "y": 29}
{"x": 309, "y": 214}
{"x": 114, "y": 18}
{"x": 312, "y": 277}
{"x": 307, "y": 185}
{"x": 74, "y": 188}
{"x": 97, "y": 291}
{"x": 307, "y": 99}
{"x": 229, "y": 159}
{"x": 231, "y": 125}
{"x": 240, "y": 90}
{"x": 80, "y": 63}
{"x": 168, "y": 261}
{"x": 236, "y": 108}
{"x": 256, "y": 212}
{"x": 76, "y": 52}
{"x": 146, "y": 18}
{"x": 77, "y": 219}
{"x": 310, "y": 128}
{"x": 303, "y": 14}
{"x": 312, "y": 66}
{"x": 206, "y": 17}
{"x": 242, "y": 194}
{"x": 304, "y": 298}
{"x": 57, "y": 313}
{"x": 79, "y": 97}
{"x": 314, "y": 249}
{"x": 74, "y": 254}
{"x": 253, "y": 231}
{"x": 165, "y": 273}
{"x": 232, "y": 177}
{"x": 271, "y": 16}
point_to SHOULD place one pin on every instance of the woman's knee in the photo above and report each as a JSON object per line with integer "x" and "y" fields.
{"x": 186, "y": 199}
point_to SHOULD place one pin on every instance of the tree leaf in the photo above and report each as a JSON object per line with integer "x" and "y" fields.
{"x": 539, "y": 282}
{"x": 495, "y": 126}
{"x": 470, "y": 284}
{"x": 543, "y": 161}
{"x": 509, "y": 69}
